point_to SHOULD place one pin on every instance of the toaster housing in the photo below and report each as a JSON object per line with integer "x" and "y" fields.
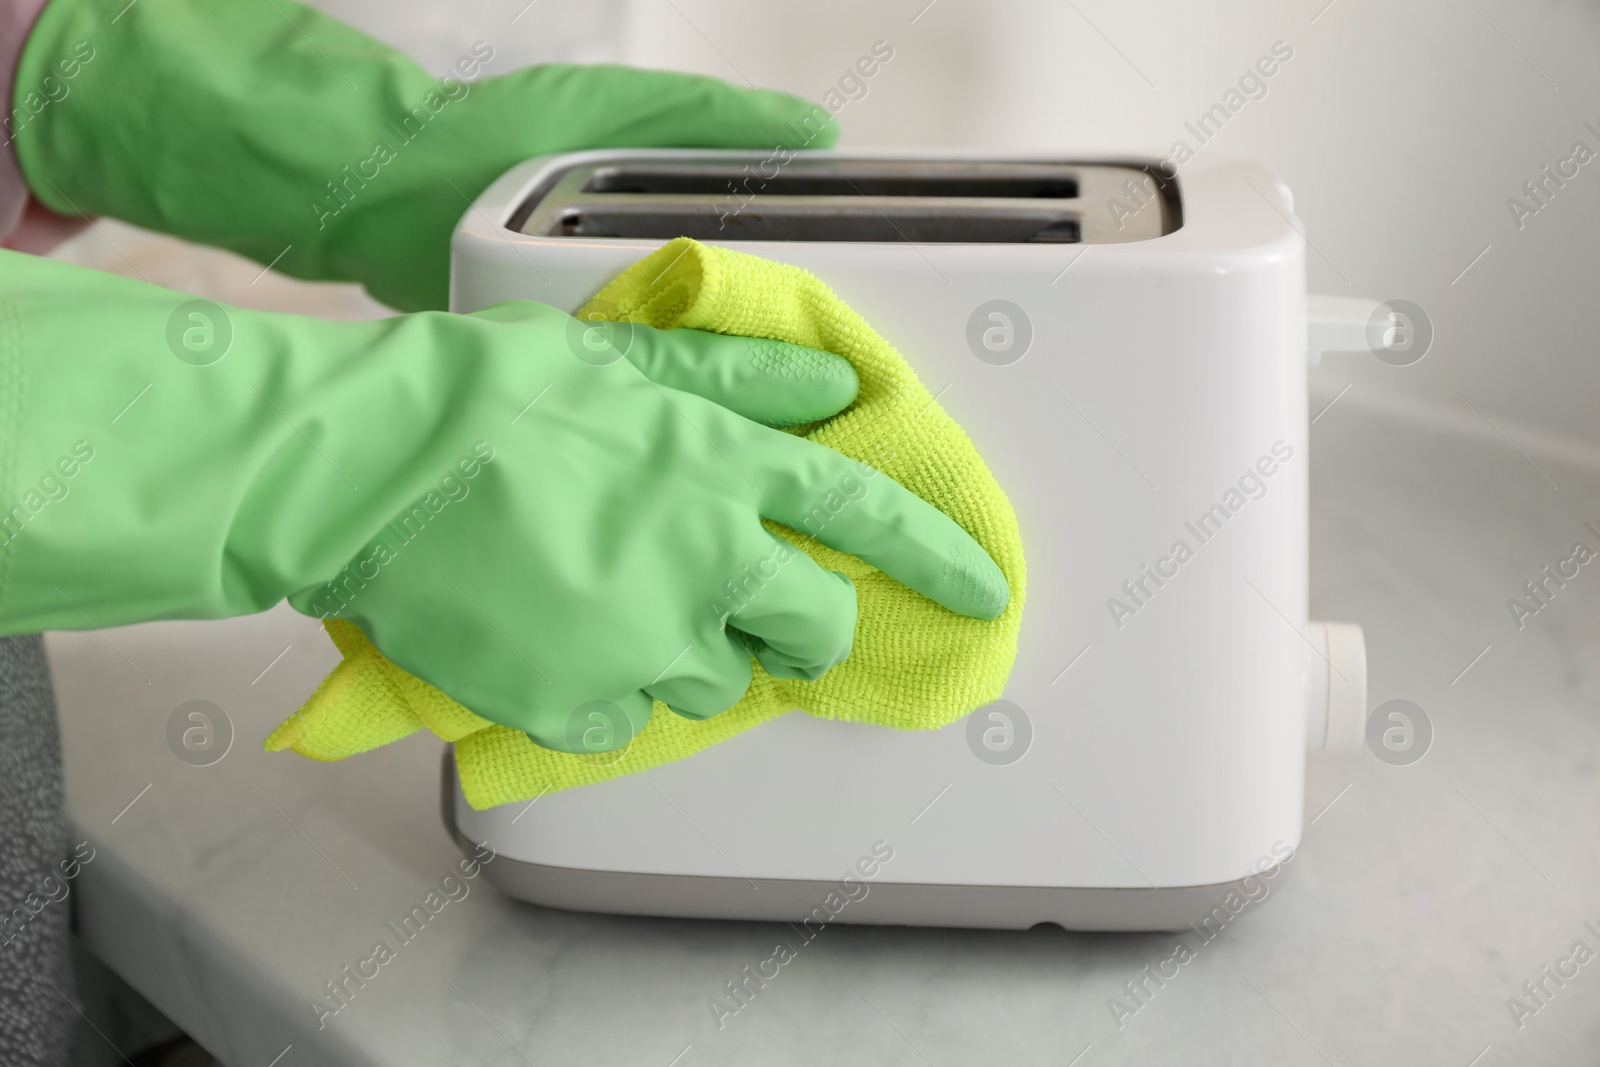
{"x": 1127, "y": 349}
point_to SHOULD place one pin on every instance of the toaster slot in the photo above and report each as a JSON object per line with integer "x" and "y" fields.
{"x": 847, "y": 220}
{"x": 957, "y": 181}
{"x": 830, "y": 199}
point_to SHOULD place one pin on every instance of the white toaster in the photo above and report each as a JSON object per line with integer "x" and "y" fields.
{"x": 1127, "y": 348}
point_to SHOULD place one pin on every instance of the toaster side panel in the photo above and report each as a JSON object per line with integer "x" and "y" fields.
{"x": 1151, "y": 434}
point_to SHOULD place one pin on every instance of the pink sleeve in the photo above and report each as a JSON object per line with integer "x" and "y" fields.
{"x": 24, "y": 223}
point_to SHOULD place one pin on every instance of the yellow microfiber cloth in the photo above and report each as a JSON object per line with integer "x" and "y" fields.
{"x": 914, "y": 665}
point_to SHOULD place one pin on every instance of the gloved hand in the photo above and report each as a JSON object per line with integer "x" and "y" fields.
{"x": 525, "y": 521}
{"x": 272, "y": 130}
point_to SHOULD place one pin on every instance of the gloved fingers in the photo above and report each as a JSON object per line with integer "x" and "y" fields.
{"x": 628, "y": 108}
{"x": 772, "y": 382}
{"x": 800, "y": 619}
{"x": 705, "y": 679}
{"x": 851, "y": 507}
{"x": 591, "y": 726}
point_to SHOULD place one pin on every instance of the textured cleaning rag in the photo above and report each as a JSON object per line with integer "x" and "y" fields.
{"x": 914, "y": 665}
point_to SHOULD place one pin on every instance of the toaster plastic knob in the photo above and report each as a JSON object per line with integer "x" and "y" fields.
{"x": 1336, "y": 687}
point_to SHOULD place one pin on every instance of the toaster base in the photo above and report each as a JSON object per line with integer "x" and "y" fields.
{"x": 796, "y": 900}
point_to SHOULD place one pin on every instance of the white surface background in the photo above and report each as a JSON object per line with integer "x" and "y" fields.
{"x": 1424, "y": 896}
{"x": 1421, "y": 898}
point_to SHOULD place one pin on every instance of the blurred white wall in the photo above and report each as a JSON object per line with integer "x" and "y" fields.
{"x": 1402, "y": 127}
{"x": 521, "y": 31}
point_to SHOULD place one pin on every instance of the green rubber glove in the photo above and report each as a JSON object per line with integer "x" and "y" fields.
{"x": 522, "y": 522}
{"x": 267, "y": 128}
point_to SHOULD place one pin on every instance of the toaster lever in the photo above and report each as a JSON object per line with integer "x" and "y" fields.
{"x": 1337, "y": 324}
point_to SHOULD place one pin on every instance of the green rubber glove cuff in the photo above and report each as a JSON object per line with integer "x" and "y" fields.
{"x": 291, "y": 138}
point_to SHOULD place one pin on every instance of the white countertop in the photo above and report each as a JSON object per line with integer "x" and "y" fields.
{"x": 1422, "y": 897}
